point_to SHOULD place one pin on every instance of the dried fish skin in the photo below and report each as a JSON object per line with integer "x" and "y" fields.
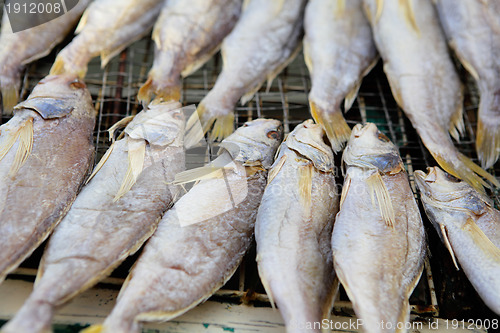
{"x": 424, "y": 81}
{"x": 294, "y": 227}
{"x": 20, "y": 48}
{"x": 101, "y": 230}
{"x": 186, "y": 35}
{"x": 107, "y": 27}
{"x": 473, "y": 31}
{"x": 378, "y": 240}
{"x": 339, "y": 51}
{"x": 468, "y": 226}
{"x": 45, "y": 157}
{"x": 181, "y": 266}
{"x": 263, "y": 42}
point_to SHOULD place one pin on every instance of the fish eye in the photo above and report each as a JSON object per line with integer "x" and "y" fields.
{"x": 77, "y": 84}
{"x": 245, "y": 125}
{"x": 383, "y": 137}
{"x": 273, "y": 135}
{"x": 177, "y": 115}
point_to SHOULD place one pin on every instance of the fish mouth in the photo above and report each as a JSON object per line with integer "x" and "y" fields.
{"x": 360, "y": 130}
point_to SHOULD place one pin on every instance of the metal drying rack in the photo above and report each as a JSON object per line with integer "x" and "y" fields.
{"x": 114, "y": 91}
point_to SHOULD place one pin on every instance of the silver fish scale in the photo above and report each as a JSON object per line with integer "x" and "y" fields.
{"x": 114, "y": 90}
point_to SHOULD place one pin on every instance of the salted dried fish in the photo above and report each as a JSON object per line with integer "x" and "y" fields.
{"x": 423, "y": 80}
{"x": 473, "y": 31}
{"x": 187, "y": 34}
{"x": 339, "y": 51}
{"x": 200, "y": 242}
{"x": 294, "y": 228}
{"x": 107, "y": 27}
{"x": 46, "y": 151}
{"x": 469, "y": 227}
{"x": 378, "y": 240}
{"x": 20, "y": 48}
{"x": 263, "y": 42}
{"x": 115, "y": 213}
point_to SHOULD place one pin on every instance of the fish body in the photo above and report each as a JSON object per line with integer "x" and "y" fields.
{"x": 20, "y": 48}
{"x": 187, "y": 34}
{"x": 378, "y": 240}
{"x": 265, "y": 39}
{"x": 469, "y": 226}
{"x": 106, "y": 28}
{"x": 200, "y": 242}
{"x": 423, "y": 80}
{"x": 294, "y": 228}
{"x": 473, "y": 31}
{"x": 46, "y": 151}
{"x": 339, "y": 51}
{"x": 101, "y": 230}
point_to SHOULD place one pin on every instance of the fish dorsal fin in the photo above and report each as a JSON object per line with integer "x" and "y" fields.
{"x": 447, "y": 243}
{"x": 265, "y": 283}
{"x": 351, "y": 96}
{"x": 457, "y": 126}
{"x": 409, "y": 14}
{"x": 483, "y": 242}
{"x": 305, "y": 184}
{"x": 24, "y": 133}
{"x": 136, "y": 155}
{"x": 379, "y": 191}
{"x": 83, "y": 21}
{"x": 101, "y": 163}
{"x": 276, "y": 169}
{"x": 345, "y": 189}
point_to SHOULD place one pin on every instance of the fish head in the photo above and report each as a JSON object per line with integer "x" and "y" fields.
{"x": 56, "y": 96}
{"x": 370, "y": 149}
{"x": 160, "y": 124}
{"x": 308, "y": 139}
{"x": 445, "y": 195}
{"x": 254, "y": 143}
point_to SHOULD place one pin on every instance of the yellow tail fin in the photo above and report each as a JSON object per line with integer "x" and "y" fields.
{"x": 93, "y": 329}
{"x": 487, "y": 143}
{"x": 10, "y": 94}
{"x": 335, "y": 126}
{"x": 59, "y": 67}
{"x": 150, "y": 88}
{"x": 462, "y": 167}
{"x": 223, "y": 125}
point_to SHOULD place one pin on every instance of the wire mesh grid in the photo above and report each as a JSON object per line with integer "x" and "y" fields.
{"x": 114, "y": 91}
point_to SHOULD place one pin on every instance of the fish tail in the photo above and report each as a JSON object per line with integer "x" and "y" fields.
{"x": 9, "y": 87}
{"x": 488, "y": 129}
{"x": 93, "y": 329}
{"x": 223, "y": 127}
{"x": 487, "y": 143}
{"x": 60, "y": 66}
{"x": 464, "y": 168}
{"x": 336, "y": 128}
{"x": 152, "y": 87}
